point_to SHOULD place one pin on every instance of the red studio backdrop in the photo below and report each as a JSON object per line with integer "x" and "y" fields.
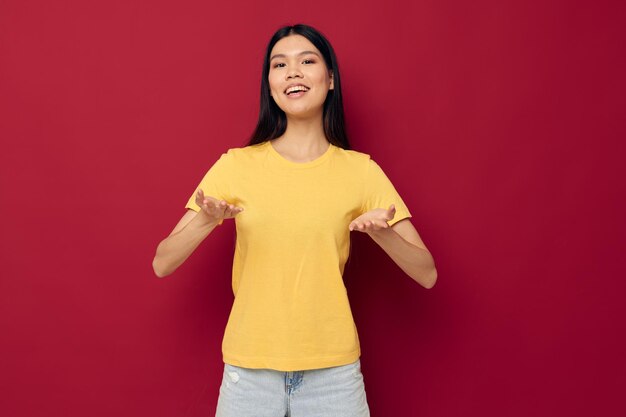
{"x": 500, "y": 123}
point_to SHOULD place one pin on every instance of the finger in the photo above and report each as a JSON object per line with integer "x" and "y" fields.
{"x": 235, "y": 209}
{"x": 213, "y": 204}
{"x": 210, "y": 203}
{"x": 377, "y": 225}
{"x": 381, "y": 224}
{"x": 370, "y": 226}
{"x": 230, "y": 211}
{"x": 200, "y": 194}
{"x": 208, "y": 206}
{"x": 222, "y": 207}
{"x": 203, "y": 199}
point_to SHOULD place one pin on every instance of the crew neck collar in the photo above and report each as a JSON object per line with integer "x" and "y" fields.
{"x": 299, "y": 165}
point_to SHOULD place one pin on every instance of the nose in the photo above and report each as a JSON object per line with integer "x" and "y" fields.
{"x": 294, "y": 71}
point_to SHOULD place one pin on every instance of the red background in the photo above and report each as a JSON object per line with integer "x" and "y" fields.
{"x": 500, "y": 123}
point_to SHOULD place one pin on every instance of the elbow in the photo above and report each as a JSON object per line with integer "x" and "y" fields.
{"x": 159, "y": 271}
{"x": 426, "y": 279}
{"x": 429, "y": 276}
{"x": 431, "y": 279}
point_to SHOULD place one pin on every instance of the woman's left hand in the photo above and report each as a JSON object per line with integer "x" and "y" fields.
{"x": 373, "y": 220}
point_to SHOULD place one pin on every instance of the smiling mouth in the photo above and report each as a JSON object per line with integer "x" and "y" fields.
{"x": 300, "y": 90}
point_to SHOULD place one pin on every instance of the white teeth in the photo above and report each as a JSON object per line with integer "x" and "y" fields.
{"x": 296, "y": 88}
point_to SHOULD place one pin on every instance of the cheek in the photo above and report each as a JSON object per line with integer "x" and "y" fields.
{"x": 321, "y": 79}
{"x": 272, "y": 83}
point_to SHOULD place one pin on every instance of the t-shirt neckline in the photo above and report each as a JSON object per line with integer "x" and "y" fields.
{"x": 299, "y": 165}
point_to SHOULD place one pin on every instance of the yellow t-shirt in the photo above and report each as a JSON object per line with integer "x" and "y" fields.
{"x": 291, "y": 310}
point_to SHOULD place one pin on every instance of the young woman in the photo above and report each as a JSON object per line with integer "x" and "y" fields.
{"x": 296, "y": 191}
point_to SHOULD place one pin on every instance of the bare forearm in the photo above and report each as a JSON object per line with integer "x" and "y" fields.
{"x": 416, "y": 262}
{"x": 176, "y": 248}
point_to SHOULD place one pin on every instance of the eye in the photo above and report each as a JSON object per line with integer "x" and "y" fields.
{"x": 309, "y": 60}
{"x": 276, "y": 65}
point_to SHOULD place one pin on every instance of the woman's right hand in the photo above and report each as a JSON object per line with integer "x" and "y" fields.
{"x": 183, "y": 240}
{"x": 215, "y": 210}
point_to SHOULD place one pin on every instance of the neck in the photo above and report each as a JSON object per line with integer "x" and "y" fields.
{"x": 303, "y": 136}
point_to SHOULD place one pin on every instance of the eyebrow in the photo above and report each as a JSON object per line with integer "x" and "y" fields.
{"x": 301, "y": 53}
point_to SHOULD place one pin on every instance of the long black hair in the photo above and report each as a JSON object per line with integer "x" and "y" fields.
{"x": 272, "y": 121}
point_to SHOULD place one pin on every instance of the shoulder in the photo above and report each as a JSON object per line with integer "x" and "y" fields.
{"x": 359, "y": 161}
{"x": 351, "y": 156}
{"x": 244, "y": 152}
{"x": 239, "y": 155}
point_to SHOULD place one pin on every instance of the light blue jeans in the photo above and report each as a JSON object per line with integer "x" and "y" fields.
{"x": 327, "y": 392}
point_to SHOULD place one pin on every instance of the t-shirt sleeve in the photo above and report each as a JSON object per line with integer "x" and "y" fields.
{"x": 215, "y": 182}
{"x": 380, "y": 193}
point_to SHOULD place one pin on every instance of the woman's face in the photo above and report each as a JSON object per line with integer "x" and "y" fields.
{"x": 294, "y": 60}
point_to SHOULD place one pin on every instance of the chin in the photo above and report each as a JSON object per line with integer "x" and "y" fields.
{"x": 303, "y": 111}
{"x": 302, "y": 114}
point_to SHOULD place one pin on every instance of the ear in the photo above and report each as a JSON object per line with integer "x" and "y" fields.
{"x": 332, "y": 80}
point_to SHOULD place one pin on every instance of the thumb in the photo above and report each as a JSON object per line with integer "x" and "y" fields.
{"x": 391, "y": 211}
